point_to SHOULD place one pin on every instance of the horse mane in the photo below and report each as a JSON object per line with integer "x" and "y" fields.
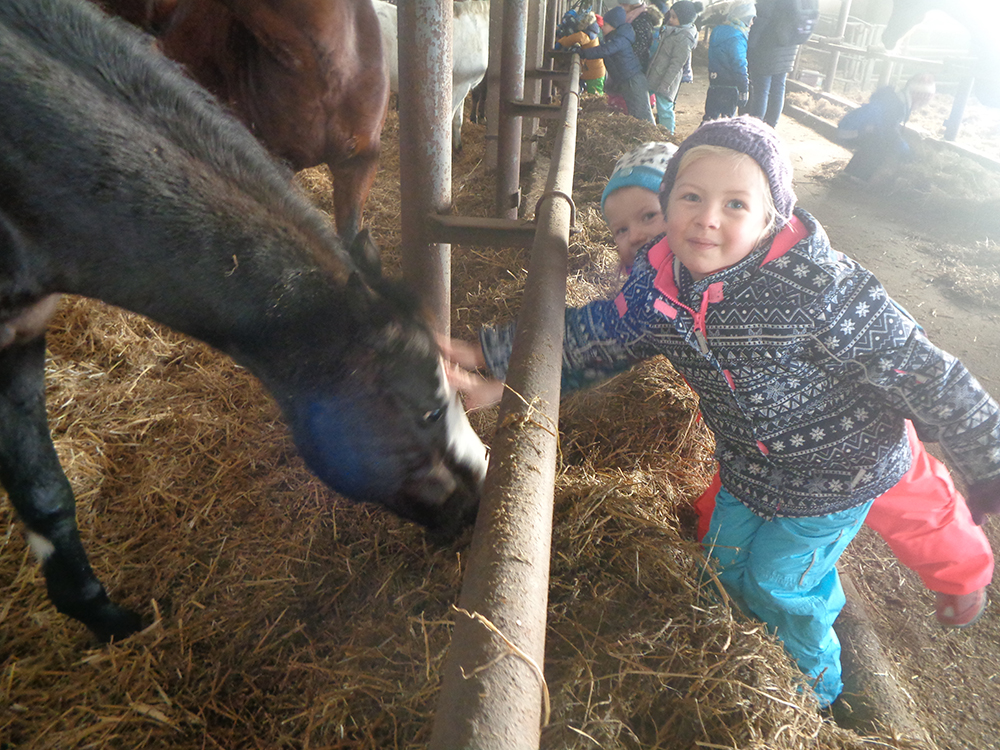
{"x": 481, "y": 7}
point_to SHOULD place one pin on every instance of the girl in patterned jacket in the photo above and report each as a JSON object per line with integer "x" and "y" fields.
{"x": 807, "y": 373}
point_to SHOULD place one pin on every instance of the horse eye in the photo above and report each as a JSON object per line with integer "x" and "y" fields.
{"x": 433, "y": 416}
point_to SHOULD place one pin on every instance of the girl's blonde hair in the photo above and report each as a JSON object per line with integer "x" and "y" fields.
{"x": 699, "y": 152}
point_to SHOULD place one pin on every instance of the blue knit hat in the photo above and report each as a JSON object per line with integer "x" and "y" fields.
{"x": 686, "y": 11}
{"x": 749, "y": 136}
{"x": 616, "y": 16}
{"x": 641, "y": 167}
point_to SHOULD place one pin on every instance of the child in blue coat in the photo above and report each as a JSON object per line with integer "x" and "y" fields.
{"x": 728, "y": 81}
{"x": 807, "y": 373}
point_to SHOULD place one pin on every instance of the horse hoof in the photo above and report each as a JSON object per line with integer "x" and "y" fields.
{"x": 114, "y": 623}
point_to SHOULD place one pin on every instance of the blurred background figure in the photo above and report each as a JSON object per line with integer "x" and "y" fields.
{"x": 585, "y": 33}
{"x": 678, "y": 37}
{"x": 625, "y": 75}
{"x": 774, "y": 39}
{"x": 728, "y": 82}
{"x": 875, "y": 129}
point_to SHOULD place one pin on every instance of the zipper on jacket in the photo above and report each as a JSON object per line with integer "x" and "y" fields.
{"x": 711, "y": 295}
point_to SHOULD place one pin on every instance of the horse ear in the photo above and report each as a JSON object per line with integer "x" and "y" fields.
{"x": 366, "y": 256}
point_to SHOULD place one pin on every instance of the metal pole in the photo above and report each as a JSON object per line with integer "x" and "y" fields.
{"x": 493, "y": 695}
{"x": 962, "y": 95}
{"x": 493, "y": 85}
{"x": 553, "y": 14}
{"x": 831, "y": 70}
{"x": 508, "y": 195}
{"x": 425, "y": 78}
{"x": 534, "y": 56}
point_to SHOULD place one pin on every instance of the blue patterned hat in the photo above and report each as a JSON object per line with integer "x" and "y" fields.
{"x": 641, "y": 167}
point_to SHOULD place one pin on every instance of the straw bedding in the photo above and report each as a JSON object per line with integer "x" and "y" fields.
{"x": 284, "y": 617}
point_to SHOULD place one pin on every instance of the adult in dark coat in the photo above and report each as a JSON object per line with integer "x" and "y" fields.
{"x": 768, "y": 61}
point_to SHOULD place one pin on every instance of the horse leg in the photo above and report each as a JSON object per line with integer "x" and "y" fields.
{"x": 43, "y": 499}
{"x": 456, "y": 127}
{"x": 352, "y": 181}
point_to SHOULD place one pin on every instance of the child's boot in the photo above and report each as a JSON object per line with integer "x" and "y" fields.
{"x": 960, "y": 610}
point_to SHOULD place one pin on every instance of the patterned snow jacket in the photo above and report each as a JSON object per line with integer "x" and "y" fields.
{"x": 806, "y": 370}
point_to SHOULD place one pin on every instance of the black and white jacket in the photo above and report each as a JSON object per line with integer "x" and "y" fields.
{"x": 805, "y": 368}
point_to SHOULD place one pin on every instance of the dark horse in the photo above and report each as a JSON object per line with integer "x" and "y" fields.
{"x": 976, "y": 16}
{"x": 122, "y": 180}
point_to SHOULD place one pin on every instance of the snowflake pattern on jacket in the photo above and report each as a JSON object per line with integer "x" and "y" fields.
{"x": 805, "y": 368}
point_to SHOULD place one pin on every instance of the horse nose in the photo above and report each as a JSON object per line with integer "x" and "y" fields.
{"x": 434, "y": 484}
{"x": 458, "y": 513}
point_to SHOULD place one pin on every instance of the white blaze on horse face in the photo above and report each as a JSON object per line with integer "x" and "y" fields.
{"x": 40, "y": 546}
{"x": 463, "y": 442}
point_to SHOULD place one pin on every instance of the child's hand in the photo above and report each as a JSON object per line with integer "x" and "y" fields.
{"x": 984, "y": 498}
{"x": 463, "y": 353}
{"x": 462, "y": 359}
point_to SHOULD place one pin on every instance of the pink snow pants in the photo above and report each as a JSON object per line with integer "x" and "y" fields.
{"x": 925, "y": 522}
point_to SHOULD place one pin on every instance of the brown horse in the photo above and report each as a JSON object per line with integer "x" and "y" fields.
{"x": 306, "y": 76}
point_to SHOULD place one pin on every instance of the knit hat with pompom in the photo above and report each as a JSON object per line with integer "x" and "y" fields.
{"x": 641, "y": 167}
{"x": 686, "y": 11}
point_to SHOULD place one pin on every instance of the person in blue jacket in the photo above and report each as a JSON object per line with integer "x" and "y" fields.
{"x": 808, "y": 374}
{"x": 625, "y": 76}
{"x": 728, "y": 81}
{"x": 875, "y": 129}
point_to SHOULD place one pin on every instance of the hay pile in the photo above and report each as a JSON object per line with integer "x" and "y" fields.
{"x": 284, "y": 617}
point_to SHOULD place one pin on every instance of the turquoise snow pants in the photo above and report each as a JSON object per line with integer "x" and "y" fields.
{"x": 784, "y": 572}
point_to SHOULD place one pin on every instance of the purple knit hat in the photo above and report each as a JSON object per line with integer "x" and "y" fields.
{"x": 749, "y": 136}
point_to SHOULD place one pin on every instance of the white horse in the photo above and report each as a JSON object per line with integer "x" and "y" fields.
{"x": 470, "y": 52}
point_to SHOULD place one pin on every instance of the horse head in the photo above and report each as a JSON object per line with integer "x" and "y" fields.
{"x": 381, "y": 424}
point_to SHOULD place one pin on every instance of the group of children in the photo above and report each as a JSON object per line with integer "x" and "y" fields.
{"x": 644, "y": 52}
{"x": 817, "y": 386}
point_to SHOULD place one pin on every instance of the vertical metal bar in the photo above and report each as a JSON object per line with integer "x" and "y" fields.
{"x": 511, "y": 89}
{"x": 831, "y": 70}
{"x": 493, "y": 85}
{"x": 424, "y": 31}
{"x": 553, "y": 15}
{"x": 962, "y": 95}
{"x": 885, "y": 72}
{"x": 534, "y": 55}
{"x": 492, "y": 694}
